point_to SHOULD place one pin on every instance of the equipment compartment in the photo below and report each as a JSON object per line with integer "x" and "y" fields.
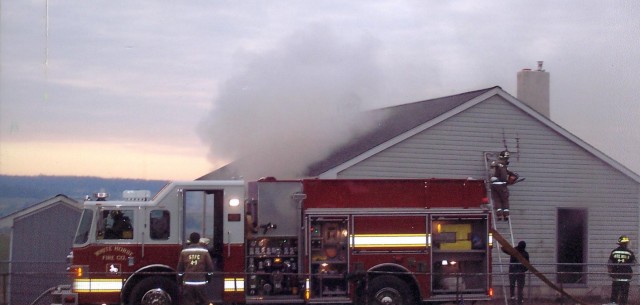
{"x": 460, "y": 254}
{"x": 272, "y": 267}
{"x": 328, "y": 259}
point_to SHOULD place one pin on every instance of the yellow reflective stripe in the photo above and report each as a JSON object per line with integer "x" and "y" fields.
{"x": 388, "y": 240}
{"x": 97, "y": 285}
{"x": 233, "y": 284}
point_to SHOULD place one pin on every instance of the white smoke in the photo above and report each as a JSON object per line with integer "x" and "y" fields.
{"x": 293, "y": 105}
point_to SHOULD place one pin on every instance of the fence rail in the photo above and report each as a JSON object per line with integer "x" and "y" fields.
{"x": 591, "y": 287}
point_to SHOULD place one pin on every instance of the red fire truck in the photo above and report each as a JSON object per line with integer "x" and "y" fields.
{"x": 400, "y": 241}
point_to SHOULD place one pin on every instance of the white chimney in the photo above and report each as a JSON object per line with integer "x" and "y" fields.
{"x": 533, "y": 89}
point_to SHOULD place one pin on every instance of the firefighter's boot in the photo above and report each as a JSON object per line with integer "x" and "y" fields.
{"x": 499, "y": 214}
{"x": 505, "y": 214}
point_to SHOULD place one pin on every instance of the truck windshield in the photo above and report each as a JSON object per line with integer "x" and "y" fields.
{"x": 82, "y": 234}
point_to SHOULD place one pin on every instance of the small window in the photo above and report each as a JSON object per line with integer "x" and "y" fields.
{"x": 115, "y": 224}
{"x": 160, "y": 224}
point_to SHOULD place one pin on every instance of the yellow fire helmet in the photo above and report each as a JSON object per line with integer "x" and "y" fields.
{"x": 623, "y": 239}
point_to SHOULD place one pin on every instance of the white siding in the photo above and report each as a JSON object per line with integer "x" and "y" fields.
{"x": 559, "y": 174}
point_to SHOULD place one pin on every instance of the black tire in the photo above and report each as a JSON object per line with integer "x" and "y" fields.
{"x": 156, "y": 290}
{"x": 389, "y": 290}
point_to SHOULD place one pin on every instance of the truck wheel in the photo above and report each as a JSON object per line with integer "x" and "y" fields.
{"x": 154, "y": 290}
{"x": 389, "y": 290}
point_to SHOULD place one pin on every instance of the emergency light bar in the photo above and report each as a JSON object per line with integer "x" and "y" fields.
{"x": 101, "y": 196}
{"x": 136, "y": 195}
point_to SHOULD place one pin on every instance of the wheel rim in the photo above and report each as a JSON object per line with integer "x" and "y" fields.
{"x": 388, "y": 296}
{"x": 156, "y": 296}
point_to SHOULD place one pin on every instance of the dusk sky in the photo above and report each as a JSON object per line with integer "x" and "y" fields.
{"x": 171, "y": 90}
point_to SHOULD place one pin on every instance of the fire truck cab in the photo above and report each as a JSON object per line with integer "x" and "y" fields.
{"x": 401, "y": 241}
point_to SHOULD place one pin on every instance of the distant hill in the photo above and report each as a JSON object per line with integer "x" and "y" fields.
{"x": 19, "y": 192}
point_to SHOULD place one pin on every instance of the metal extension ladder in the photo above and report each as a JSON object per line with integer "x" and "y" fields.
{"x": 504, "y": 226}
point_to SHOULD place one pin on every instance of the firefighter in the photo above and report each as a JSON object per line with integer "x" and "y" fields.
{"x": 517, "y": 272}
{"x": 500, "y": 174}
{"x": 121, "y": 227}
{"x": 620, "y": 261}
{"x": 195, "y": 269}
